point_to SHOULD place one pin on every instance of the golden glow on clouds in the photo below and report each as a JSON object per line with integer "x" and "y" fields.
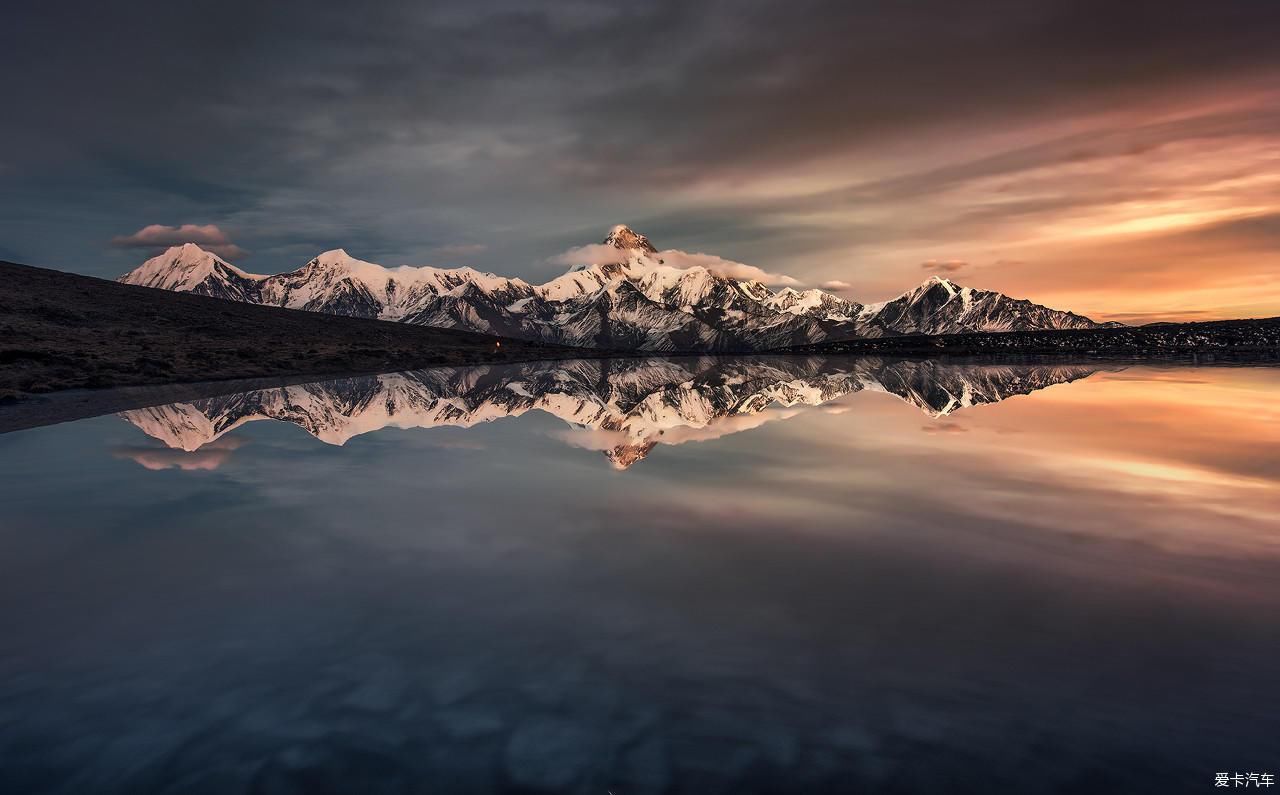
{"x": 1139, "y": 474}
{"x": 1180, "y": 461}
{"x": 1126, "y": 214}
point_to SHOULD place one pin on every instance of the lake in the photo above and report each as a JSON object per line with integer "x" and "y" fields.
{"x": 693, "y": 575}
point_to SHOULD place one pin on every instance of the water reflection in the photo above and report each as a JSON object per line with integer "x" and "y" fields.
{"x": 623, "y": 408}
{"x": 915, "y": 583}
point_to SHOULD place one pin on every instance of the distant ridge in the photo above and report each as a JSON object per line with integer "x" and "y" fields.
{"x": 632, "y": 298}
{"x": 1250, "y": 340}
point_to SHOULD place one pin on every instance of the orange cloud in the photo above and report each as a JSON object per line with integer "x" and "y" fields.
{"x": 159, "y": 236}
{"x": 947, "y": 266}
{"x": 206, "y": 459}
{"x": 1167, "y": 208}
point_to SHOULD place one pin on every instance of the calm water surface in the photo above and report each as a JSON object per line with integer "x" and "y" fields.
{"x": 686, "y": 576}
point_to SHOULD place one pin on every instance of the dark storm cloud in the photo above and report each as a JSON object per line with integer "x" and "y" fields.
{"x": 672, "y": 86}
{"x": 1131, "y": 140}
{"x": 820, "y": 77}
{"x": 399, "y": 129}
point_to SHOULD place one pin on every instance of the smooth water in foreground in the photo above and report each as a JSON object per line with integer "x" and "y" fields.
{"x": 685, "y": 576}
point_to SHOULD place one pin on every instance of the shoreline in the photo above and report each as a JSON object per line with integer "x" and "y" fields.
{"x": 61, "y": 331}
{"x": 75, "y": 346}
{"x": 69, "y": 405}
{"x": 1249, "y": 340}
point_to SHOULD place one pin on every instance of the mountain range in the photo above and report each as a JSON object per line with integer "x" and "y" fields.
{"x": 633, "y": 299}
{"x": 623, "y": 408}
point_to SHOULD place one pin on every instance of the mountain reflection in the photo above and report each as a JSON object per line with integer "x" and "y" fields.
{"x": 1070, "y": 591}
{"x": 623, "y": 408}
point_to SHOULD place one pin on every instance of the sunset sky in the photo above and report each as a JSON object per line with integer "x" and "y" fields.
{"x": 1121, "y": 160}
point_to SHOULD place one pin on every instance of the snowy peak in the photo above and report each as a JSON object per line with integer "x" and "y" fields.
{"x": 336, "y": 257}
{"x": 179, "y": 268}
{"x": 639, "y": 260}
{"x": 188, "y": 252}
{"x": 813, "y": 303}
{"x": 940, "y": 306}
{"x": 189, "y": 268}
{"x": 624, "y": 237}
{"x": 939, "y": 288}
{"x": 633, "y": 297}
{"x": 943, "y": 282}
{"x": 339, "y": 261}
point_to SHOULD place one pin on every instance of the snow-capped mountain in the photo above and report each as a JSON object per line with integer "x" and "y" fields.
{"x": 815, "y": 304}
{"x": 939, "y": 306}
{"x": 634, "y": 299}
{"x": 621, "y": 408}
{"x": 189, "y": 268}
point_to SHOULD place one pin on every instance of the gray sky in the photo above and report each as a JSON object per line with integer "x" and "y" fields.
{"x": 1121, "y": 159}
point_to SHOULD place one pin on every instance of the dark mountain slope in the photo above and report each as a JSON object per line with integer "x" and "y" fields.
{"x": 60, "y": 330}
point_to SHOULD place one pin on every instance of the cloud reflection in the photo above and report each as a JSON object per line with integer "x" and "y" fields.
{"x": 208, "y": 458}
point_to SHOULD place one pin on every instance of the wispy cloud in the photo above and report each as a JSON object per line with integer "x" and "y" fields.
{"x": 594, "y": 254}
{"x": 836, "y": 284}
{"x": 944, "y": 265}
{"x": 723, "y": 267}
{"x": 1014, "y": 135}
{"x": 207, "y": 458}
{"x": 159, "y": 236}
{"x": 459, "y": 250}
{"x": 944, "y": 427}
{"x": 1140, "y": 318}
